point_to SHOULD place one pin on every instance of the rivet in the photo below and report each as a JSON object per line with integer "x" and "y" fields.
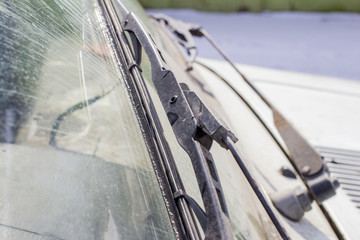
{"x": 305, "y": 169}
{"x": 173, "y": 99}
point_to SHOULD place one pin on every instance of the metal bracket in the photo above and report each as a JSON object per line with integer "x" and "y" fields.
{"x": 307, "y": 161}
{"x": 292, "y": 203}
{"x": 206, "y": 120}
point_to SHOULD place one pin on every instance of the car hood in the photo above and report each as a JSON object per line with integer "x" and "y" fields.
{"x": 326, "y": 112}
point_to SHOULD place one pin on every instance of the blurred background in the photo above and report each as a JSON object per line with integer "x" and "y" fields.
{"x": 320, "y": 37}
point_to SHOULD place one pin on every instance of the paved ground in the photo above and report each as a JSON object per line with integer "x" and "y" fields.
{"x": 318, "y": 43}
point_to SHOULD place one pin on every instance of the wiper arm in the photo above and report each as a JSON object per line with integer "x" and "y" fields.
{"x": 303, "y": 156}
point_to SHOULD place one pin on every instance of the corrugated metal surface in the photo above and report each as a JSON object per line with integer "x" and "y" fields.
{"x": 345, "y": 165}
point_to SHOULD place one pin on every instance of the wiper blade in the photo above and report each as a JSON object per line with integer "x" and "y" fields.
{"x": 303, "y": 156}
{"x": 194, "y": 128}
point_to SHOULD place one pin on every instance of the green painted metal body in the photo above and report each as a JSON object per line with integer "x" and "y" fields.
{"x": 258, "y": 5}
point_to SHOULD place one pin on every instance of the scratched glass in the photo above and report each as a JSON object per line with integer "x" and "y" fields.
{"x": 73, "y": 161}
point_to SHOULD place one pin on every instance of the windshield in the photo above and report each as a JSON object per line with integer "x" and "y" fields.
{"x": 74, "y": 164}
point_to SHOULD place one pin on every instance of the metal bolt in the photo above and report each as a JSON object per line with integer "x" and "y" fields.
{"x": 126, "y": 22}
{"x": 305, "y": 169}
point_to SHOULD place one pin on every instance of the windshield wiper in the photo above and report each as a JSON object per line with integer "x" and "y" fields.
{"x": 195, "y": 128}
{"x": 303, "y": 156}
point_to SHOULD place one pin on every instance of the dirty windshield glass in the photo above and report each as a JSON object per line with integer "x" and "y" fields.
{"x": 73, "y": 162}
